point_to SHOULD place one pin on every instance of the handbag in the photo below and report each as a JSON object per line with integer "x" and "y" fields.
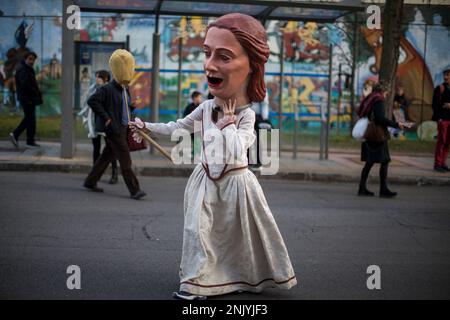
{"x": 360, "y": 128}
{"x": 375, "y": 133}
{"x": 132, "y": 144}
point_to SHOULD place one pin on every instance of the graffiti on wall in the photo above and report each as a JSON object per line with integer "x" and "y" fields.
{"x": 306, "y": 56}
{"x": 48, "y": 70}
{"x": 412, "y": 72}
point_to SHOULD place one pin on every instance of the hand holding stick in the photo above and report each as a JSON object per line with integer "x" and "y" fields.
{"x": 138, "y": 128}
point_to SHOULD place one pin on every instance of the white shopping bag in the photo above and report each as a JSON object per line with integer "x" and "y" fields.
{"x": 360, "y": 128}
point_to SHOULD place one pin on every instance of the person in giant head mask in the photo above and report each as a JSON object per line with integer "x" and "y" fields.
{"x": 112, "y": 105}
{"x": 231, "y": 241}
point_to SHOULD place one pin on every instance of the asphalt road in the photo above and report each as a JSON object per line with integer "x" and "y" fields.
{"x": 128, "y": 249}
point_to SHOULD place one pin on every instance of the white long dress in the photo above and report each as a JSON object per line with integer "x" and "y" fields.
{"x": 230, "y": 241}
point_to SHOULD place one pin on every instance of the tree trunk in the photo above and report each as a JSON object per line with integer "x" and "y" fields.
{"x": 392, "y": 28}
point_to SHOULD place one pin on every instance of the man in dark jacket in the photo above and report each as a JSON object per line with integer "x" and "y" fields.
{"x": 109, "y": 104}
{"x": 441, "y": 114}
{"x": 29, "y": 96}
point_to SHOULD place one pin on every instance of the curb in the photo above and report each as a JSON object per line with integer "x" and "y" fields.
{"x": 185, "y": 172}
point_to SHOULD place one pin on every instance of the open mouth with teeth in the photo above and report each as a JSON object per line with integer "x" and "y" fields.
{"x": 214, "y": 82}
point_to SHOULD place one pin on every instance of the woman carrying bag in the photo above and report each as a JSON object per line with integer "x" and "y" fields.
{"x": 375, "y": 147}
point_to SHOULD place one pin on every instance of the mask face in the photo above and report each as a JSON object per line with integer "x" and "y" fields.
{"x": 122, "y": 65}
{"x": 226, "y": 64}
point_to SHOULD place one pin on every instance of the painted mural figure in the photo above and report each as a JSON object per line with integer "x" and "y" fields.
{"x": 400, "y": 111}
{"x": 231, "y": 241}
{"x": 441, "y": 114}
{"x": 13, "y": 58}
{"x": 410, "y": 69}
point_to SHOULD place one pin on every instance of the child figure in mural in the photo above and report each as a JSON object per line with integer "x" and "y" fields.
{"x": 399, "y": 111}
{"x": 231, "y": 241}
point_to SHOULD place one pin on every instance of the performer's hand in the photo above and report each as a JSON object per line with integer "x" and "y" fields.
{"x": 107, "y": 123}
{"x": 228, "y": 111}
{"x": 229, "y": 108}
{"x": 136, "y": 124}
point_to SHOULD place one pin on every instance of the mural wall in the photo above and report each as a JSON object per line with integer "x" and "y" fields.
{"x": 424, "y": 54}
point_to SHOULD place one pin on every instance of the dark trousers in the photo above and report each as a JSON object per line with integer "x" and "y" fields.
{"x": 97, "y": 144}
{"x": 116, "y": 146}
{"x": 28, "y": 122}
{"x": 383, "y": 175}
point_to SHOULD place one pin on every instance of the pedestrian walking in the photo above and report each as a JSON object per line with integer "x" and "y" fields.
{"x": 29, "y": 96}
{"x": 112, "y": 104}
{"x": 102, "y": 77}
{"x": 375, "y": 147}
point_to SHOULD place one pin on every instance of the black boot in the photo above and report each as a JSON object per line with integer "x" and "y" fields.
{"x": 362, "y": 182}
{"x": 364, "y": 192}
{"x": 384, "y": 191}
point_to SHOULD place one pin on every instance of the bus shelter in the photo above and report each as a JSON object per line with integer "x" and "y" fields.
{"x": 264, "y": 10}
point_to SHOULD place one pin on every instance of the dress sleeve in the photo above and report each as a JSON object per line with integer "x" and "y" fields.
{"x": 186, "y": 123}
{"x": 238, "y": 138}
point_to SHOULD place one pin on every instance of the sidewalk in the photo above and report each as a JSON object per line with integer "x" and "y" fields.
{"x": 340, "y": 167}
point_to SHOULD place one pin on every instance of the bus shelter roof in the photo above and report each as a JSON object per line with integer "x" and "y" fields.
{"x": 287, "y": 10}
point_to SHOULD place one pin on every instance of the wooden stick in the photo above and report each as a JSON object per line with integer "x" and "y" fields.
{"x": 155, "y": 144}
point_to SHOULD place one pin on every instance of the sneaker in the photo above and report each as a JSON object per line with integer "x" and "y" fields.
{"x": 138, "y": 195}
{"x": 446, "y": 168}
{"x": 93, "y": 188}
{"x": 14, "y": 140}
{"x": 183, "y": 295}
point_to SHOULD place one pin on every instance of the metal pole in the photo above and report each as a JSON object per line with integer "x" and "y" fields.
{"x": 280, "y": 111}
{"x": 339, "y": 100}
{"x": 67, "y": 83}
{"x": 155, "y": 76}
{"x": 352, "y": 86}
{"x": 180, "y": 63}
{"x": 322, "y": 134}
{"x": 295, "y": 128}
{"x": 294, "y": 101}
{"x": 330, "y": 83}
